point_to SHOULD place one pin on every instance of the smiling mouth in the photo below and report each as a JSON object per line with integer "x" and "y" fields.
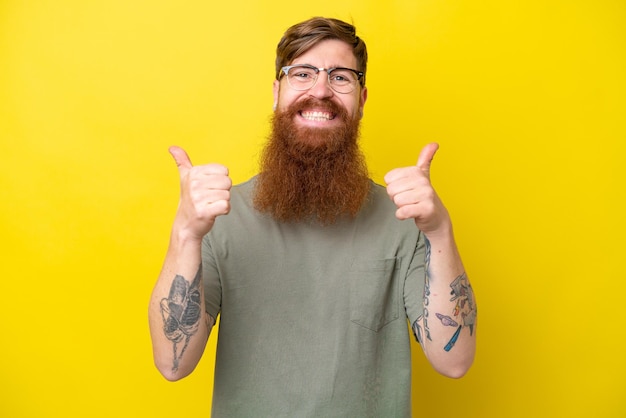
{"x": 317, "y": 116}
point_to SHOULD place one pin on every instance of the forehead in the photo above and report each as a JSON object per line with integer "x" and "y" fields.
{"x": 327, "y": 54}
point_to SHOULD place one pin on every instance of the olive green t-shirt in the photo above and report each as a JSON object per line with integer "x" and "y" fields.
{"x": 313, "y": 318}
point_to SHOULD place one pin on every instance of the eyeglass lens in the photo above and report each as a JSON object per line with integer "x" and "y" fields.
{"x": 304, "y": 78}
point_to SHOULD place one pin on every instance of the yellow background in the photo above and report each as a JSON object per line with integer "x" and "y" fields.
{"x": 526, "y": 99}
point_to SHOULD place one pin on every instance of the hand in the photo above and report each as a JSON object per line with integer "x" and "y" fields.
{"x": 204, "y": 194}
{"x": 411, "y": 191}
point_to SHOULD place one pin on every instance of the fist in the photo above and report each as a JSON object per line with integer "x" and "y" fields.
{"x": 411, "y": 190}
{"x": 204, "y": 194}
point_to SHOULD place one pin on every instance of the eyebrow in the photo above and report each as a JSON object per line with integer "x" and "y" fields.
{"x": 326, "y": 68}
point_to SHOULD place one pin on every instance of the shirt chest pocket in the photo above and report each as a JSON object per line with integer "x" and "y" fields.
{"x": 374, "y": 292}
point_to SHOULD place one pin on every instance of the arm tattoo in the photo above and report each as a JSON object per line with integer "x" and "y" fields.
{"x": 181, "y": 312}
{"x": 463, "y": 315}
{"x": 464, "y": 309}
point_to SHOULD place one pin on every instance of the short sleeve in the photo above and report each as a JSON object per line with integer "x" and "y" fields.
{"x": 211, "y": 280}
{"x": 415, "y": 281}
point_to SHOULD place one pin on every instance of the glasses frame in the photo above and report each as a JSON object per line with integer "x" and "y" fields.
{"x": 286, "y": 68}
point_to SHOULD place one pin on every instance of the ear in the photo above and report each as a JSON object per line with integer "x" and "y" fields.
{"x": 276, "y": 90}
{"x": 362, "y": 99}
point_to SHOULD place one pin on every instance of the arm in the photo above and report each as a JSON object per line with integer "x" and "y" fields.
{"x": 447, "y": 330}
{"x": 179, "y": 324}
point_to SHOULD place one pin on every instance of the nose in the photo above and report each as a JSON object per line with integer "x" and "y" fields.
{"x": 321, "y": 89}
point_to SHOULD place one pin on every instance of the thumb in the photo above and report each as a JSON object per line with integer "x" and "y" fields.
{"x": 426, "y": 158}
{"x": 181, "y": 158}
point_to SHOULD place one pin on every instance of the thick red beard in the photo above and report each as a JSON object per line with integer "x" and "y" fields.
{"x": 316, "y": 174}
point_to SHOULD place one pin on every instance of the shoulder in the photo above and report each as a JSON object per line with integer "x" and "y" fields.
{"x": 245, "y": 189}
{"x": 242, "y": 213}
{"x": 378, "y": 202}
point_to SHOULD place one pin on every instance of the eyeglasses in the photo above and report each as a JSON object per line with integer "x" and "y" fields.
{"x": 303, "y": 77}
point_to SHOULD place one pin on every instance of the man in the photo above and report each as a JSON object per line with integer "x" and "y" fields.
{"x": 311, "y": 266}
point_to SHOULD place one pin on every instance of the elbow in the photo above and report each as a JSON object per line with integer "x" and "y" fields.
{"x": 456, "y": 372}
{"x": 171, "y": 376}
{"x": 453, "y": 368}
{"x": 170, "y": 373}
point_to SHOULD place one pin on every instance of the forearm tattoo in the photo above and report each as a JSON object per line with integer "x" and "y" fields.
{"x": 463, "y": 314}
{"x": 464, "y": 309}
{"x": 181, "y": 312}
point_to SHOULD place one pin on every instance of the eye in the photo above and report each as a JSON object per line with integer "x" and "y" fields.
{"x": 341, "y": 76}
{"x": 301, "y": 73}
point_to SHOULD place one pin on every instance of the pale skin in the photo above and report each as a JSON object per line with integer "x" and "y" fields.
{"x": 326, "y": 54}
{"x": 205, "y": 195}
{"x": 412, "y": 192}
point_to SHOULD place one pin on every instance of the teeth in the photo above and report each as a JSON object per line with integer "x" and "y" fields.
{"x": 317, "y": 116}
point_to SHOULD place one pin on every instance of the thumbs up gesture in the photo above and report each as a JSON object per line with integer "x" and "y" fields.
{"x": 411, "y": 191}
{"x": 204, "y": 194}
